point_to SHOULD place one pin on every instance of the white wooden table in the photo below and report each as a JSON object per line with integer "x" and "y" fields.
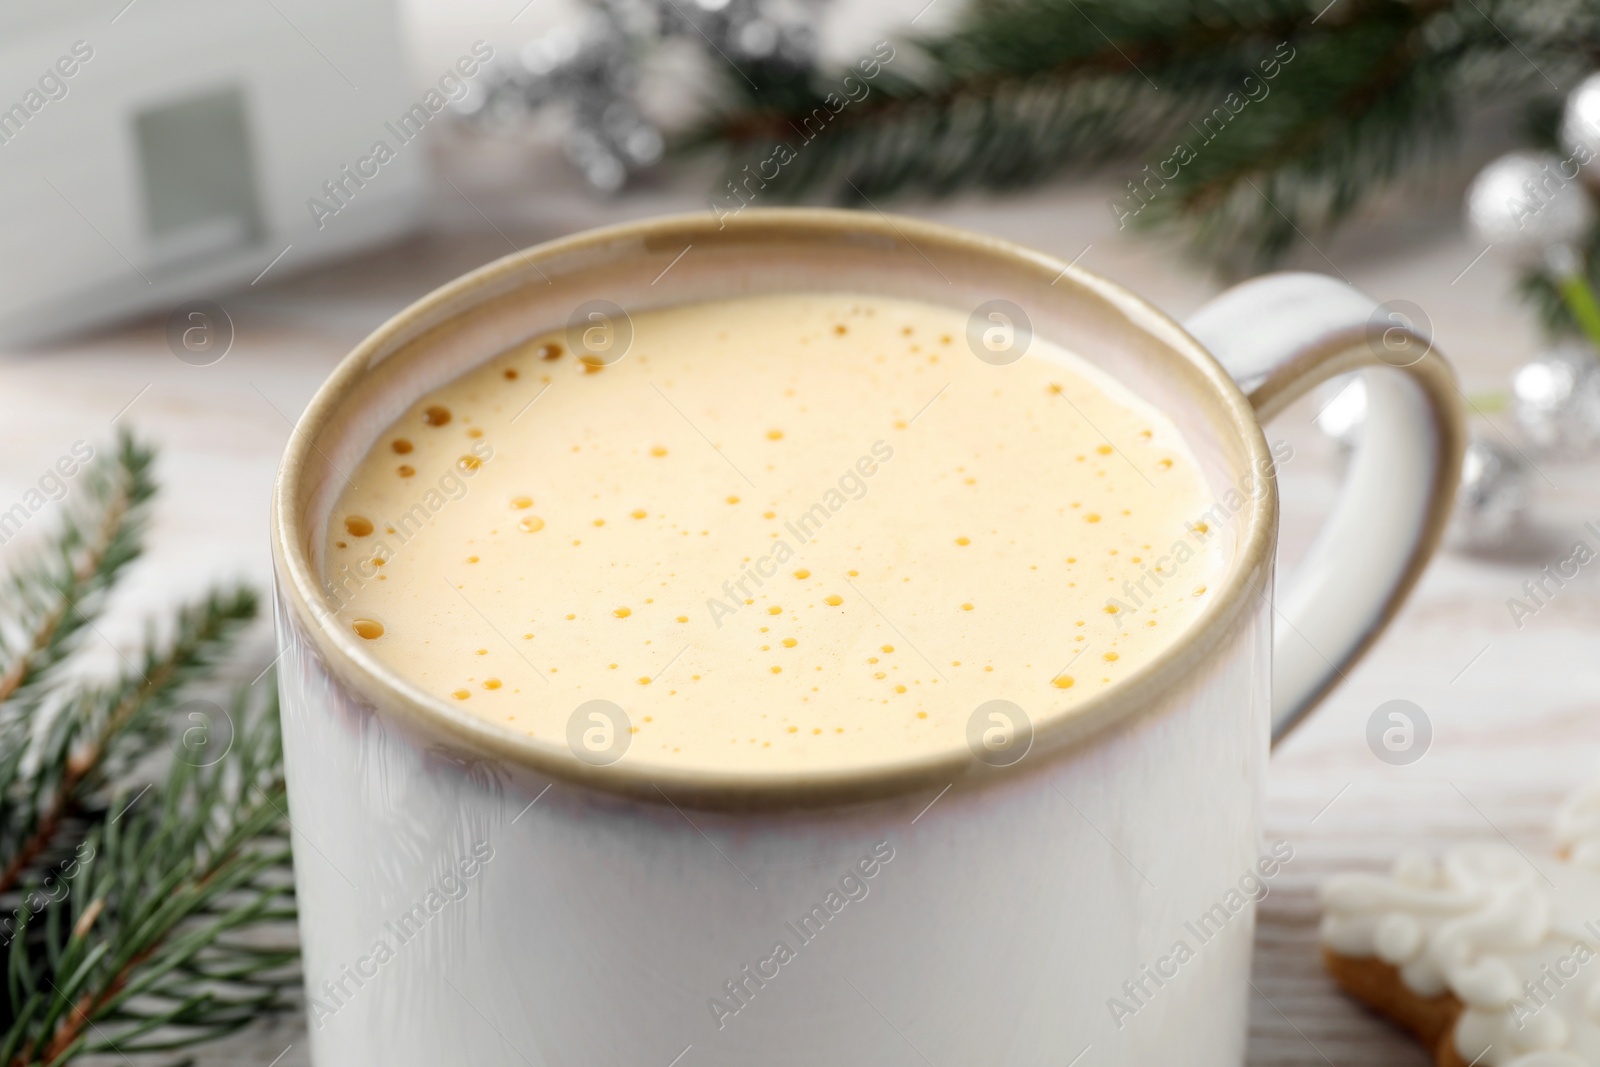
{"x": 1513, "y": 710}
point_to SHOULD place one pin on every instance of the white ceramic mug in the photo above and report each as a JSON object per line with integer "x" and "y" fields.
{"x": 472, "y": 896}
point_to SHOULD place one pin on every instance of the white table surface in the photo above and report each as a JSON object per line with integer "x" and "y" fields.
{"x": 1513, "y": 710}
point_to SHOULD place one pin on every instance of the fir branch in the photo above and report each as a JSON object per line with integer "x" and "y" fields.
{"x": 140, "y": 906}
{"x": 104, "y": 730}
{"x": 146, "y": 950}
{"x": 1022, "y": 90}
{"x": 62, "y": 587}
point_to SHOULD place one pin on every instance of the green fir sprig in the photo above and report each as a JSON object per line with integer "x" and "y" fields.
{"x": 1249, "y": 125}
{"x": 146, "y": 892}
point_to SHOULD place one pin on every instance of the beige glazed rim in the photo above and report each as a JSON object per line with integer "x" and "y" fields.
{"x": 1203, "y": 379}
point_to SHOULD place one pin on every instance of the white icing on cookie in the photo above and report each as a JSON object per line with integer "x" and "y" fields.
{"x": 1578, "y": 826}
{"x": 1518, "y": 945}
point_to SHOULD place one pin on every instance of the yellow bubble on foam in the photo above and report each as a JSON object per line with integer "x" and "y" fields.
{"x": 789, "y": 642}
{"x": 371, "y": 629}
{"x": 531, "y": 524}
{"x": 802, "y": 573}
{"x": 622, "y": 613}
{"x": 1063, "y": 681}
{"x": 833, "y": 600}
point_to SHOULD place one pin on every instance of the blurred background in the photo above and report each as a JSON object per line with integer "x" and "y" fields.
{"x": 207, "y": 205}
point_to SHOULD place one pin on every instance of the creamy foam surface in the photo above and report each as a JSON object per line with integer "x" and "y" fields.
{"x": 783, "y": 532}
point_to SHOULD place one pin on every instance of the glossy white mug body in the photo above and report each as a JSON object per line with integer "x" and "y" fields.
{"x": 468, "y": 897}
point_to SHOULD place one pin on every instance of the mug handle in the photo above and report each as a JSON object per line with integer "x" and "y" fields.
{"x": 1281, "y": 335}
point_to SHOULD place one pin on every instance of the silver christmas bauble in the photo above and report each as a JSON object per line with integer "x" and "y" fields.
{"x": 1492, "y": 500}
{"x": 593, "y": 69}
{"x": 1580, "y": 124}
{"x": 1529, "y": 201}
{"x": 1557, "y": 401}
{"x": 1496, "y": 483}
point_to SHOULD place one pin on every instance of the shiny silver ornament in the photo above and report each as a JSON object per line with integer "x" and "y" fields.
{"x": 593, "y": 70}
{"x": 1496, "y": 483}
{"x": 1492, "y": 502}
{"x": 1557, "y": 401}
{"x": 780, "y": 34}
{"x": 1580, "y": 125}
{"x": 1529, "y": 202}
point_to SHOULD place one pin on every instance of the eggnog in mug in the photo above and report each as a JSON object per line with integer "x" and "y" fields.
{"x": 782, "y": 532}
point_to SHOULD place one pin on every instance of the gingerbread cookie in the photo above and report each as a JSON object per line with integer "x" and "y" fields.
{"x": 1489, "y": 960}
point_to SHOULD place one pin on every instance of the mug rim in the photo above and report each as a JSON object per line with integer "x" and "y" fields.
{"x": 1060, "y": 731}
